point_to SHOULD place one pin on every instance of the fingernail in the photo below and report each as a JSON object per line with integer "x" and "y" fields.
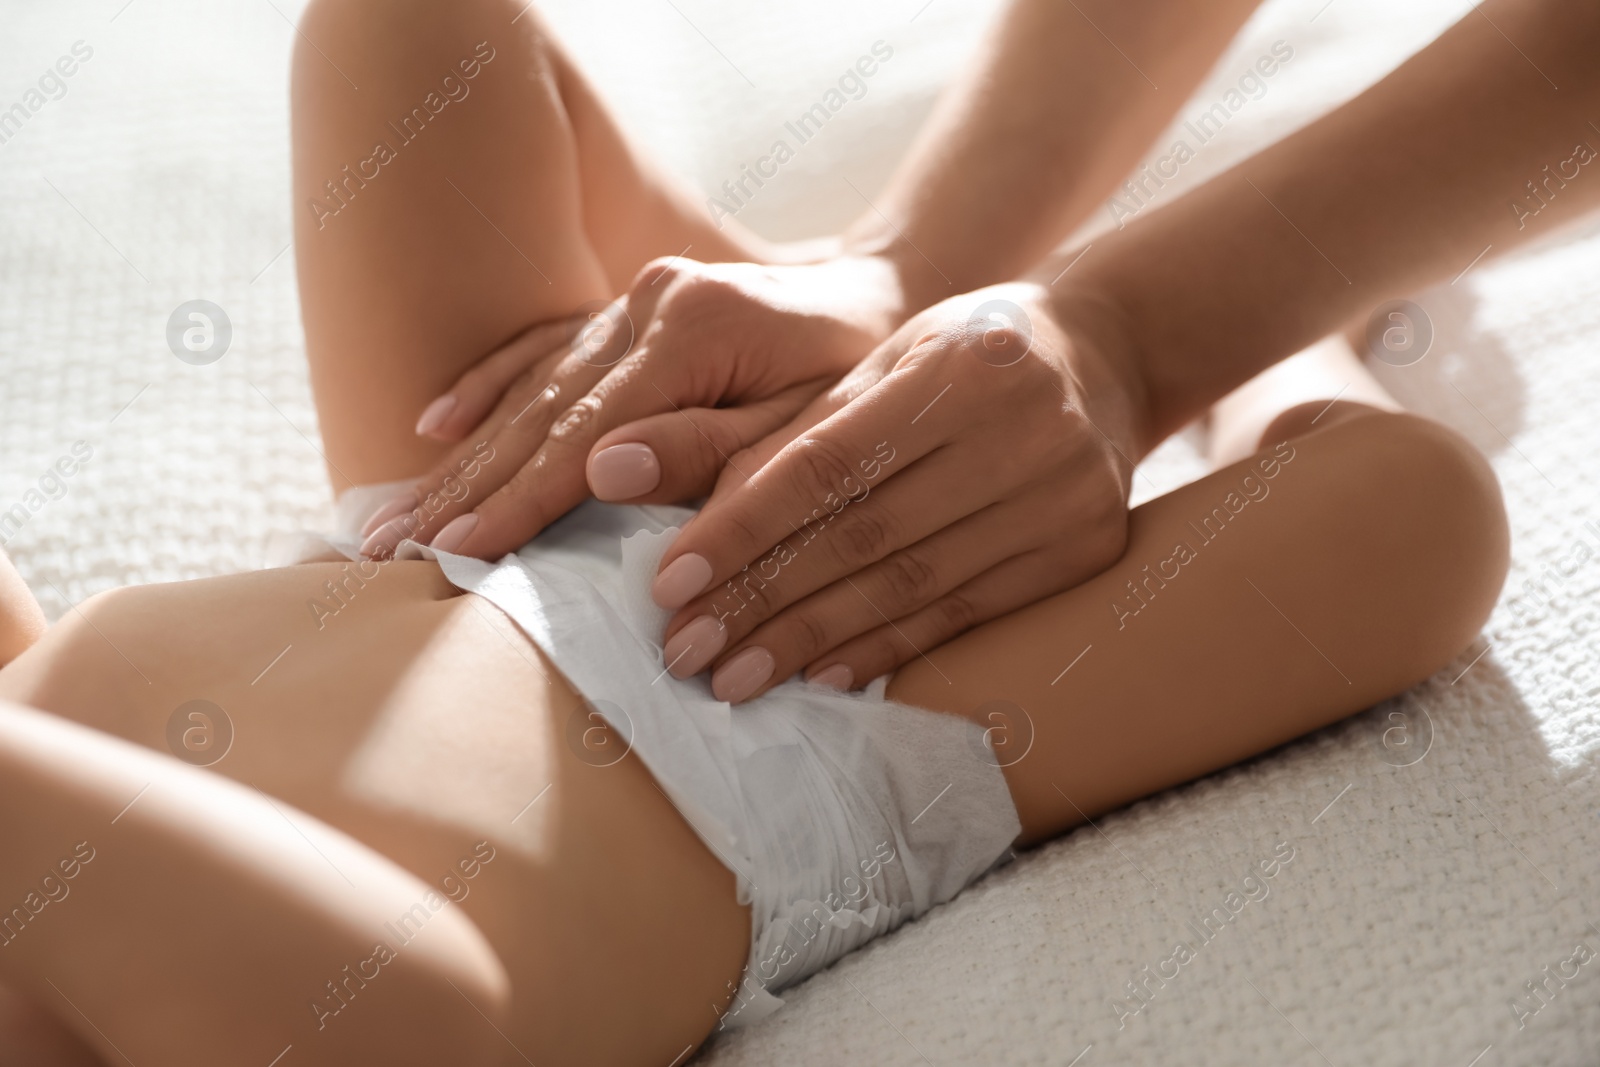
{"x": 434, "y": 414}
{"x": 623, "y": 472}
{"x": 396, "y": 507}
{"x": 691, "y": 648}
{"x": 456, "y": 531}
{"x": 382, "y": 541}
{"x": 742, "y": 675}
{"x": 681, "y": 580}
{"x": 837, "y": 676}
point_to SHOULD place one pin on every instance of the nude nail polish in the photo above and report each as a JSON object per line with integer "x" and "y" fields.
{"x": 434, "y": 414}
{"x": 455, "y": 533}
{"x": 837, "y": 676}
{"x": 623, "y": 472}
{"x": 689, "y": 650}
{"x": 392, "y": 510}
{"x": 380, "y": 544}
{"x": 742, "y": 675}
{"x": 681, "y": 580}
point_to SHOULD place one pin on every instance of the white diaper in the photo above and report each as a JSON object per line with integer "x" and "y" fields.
{"x": 841, "y": 815}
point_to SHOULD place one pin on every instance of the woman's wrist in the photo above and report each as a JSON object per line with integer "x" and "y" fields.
{"x": 880, "y": 280}
{"x": 919, "y": 284}
{"x": 855, "y": 289}
{"x": 1097, "y": 322}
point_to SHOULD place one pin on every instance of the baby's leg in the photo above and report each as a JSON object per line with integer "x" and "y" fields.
{"x": 472, "y": 186}
{"x": 28, "y": 1033}
{"x": 32, "y": 1035}
{"x": 21, "y": 620}
{"x": 1326, "y": 383}
{"x": 171, "y": 916}
{"x": 1341, "y": 563}
{"x": 418, "y": 721}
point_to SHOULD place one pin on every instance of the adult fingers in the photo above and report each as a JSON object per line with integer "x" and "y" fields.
{"x": 888, "y": 531}
{"x": 473, "y": 396}
{"x": 898, "y": 585}
{"x": 743, "y": 465}
{"x": 555, "y": 479}
{"x": 486, "y": 461}
{"x": 868, "y": 440}
{"x": 542, "y": 372}
{"x": 677, "y": 455}
{"x": 599, "y": 336}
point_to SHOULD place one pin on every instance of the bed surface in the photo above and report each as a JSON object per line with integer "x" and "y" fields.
{"x": 1442, "y": 842}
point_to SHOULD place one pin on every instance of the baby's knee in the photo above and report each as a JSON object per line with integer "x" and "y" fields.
{"x": 386, "y": 21}
{"x": 391, "y": 66}
{"x": 1444, "y": 506}
{"x": 1311, "y": 416}
{"x": 21, "y": 620}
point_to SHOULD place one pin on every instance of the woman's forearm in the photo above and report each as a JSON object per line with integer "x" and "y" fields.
{"x": 1062, "y": 101}
{"x": 1483, "y": 140}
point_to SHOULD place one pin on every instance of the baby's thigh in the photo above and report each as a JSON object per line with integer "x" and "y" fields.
{"x": 427, "y": 237}
{"x": 421, "y": 722}
{"x": 1266, "y": 600}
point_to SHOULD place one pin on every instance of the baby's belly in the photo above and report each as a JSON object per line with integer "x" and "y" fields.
{"x": 317, "y": 683}
{"x": 420, "y": 721}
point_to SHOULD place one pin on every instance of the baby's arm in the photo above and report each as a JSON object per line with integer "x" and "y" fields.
{"x": 21, "y": 619}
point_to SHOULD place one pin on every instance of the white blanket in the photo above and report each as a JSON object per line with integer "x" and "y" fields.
{"x": 1419, "y": 899}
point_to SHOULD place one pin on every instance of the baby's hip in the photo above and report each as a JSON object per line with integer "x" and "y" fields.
{"x": 420, "y": 720}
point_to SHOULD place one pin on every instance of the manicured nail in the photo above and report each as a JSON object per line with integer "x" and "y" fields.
{"x": 434, "y": 414}
{"x": 455, "y": 532}
{"x": 742, "y": 675}
{"x": 623, "y": 472}
{"x": 380, "y": 544}
{"x": 691, "y": 648}
{"x": 837, "y": 676}
{"x": 681, "y": 580}
{"x": 393, "y": 509}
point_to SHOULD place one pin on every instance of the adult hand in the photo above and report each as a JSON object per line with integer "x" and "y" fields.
{"x": 977, "y": 461}
{"x": 640, "y": 400}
